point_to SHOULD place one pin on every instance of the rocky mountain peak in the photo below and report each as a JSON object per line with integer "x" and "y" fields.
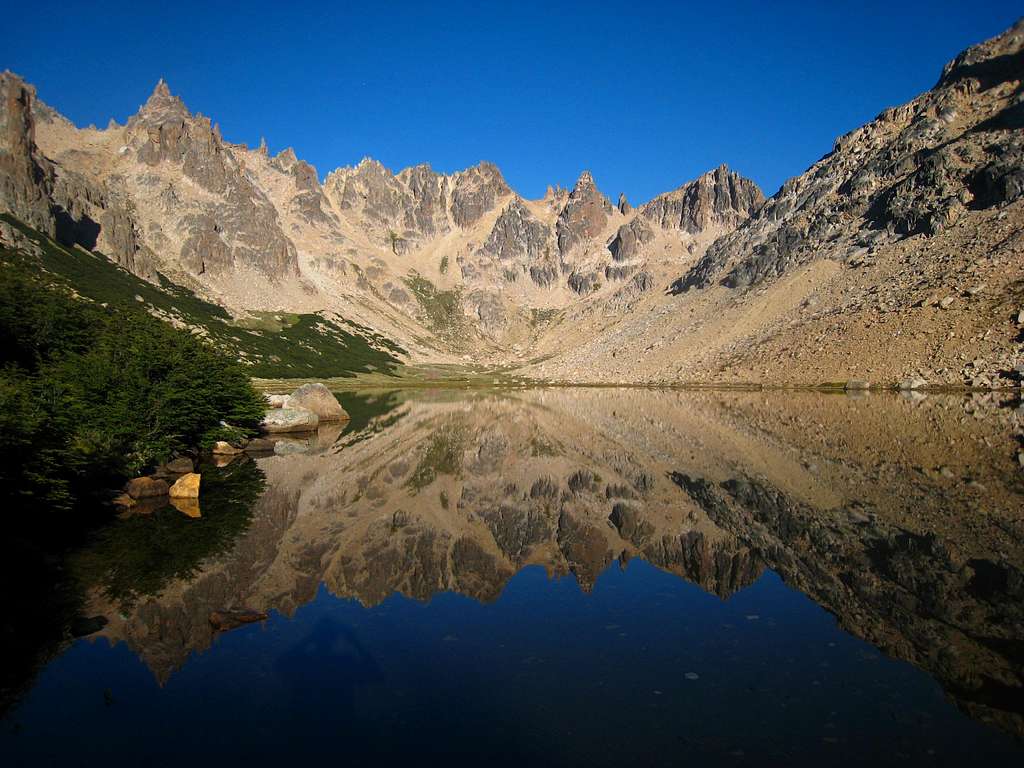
{"x": 162, "y": 105}
{"x": 476, "y": 191}
{"x": 992, "y": 61}
{"x": 585, "y": 214}
{"x": 719, "y": 197}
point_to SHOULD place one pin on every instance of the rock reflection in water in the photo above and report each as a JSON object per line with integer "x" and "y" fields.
{"x": 903, "y": 518}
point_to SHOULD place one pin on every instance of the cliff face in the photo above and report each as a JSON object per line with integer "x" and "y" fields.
{"x": 25, "y": 177}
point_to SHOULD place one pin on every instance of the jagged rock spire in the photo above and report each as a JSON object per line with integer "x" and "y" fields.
{"x": 163, "y": 104}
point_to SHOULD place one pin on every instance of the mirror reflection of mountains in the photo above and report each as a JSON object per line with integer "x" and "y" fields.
{"x": 903, "y": 518}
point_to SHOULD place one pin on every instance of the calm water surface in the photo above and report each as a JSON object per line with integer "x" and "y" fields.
{"x": 592, "y": 577}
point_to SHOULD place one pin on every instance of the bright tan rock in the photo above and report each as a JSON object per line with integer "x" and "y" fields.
{"x": 222, "y": 448}
{"x": 186, "y": 487}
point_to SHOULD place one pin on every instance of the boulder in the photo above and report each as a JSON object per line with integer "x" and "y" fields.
{"x": 318, "y": 399}
{"x": 179, "y": 466}
{"x": 186, "y": 487}
{"x": 278, "y": 401}
{"x": 146, "y": 488}
{"x": 290, "y": 420}
{"x": 908, "y": 384}
{"x": 221, "y": 448}
{"x": 857, "y": 384}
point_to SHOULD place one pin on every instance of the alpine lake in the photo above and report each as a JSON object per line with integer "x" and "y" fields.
{"x": 551, "y": 576}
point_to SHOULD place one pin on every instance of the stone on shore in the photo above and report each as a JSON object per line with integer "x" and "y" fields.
{"x": 318, "y": 399}
{"x": 186, "y": 487}
{"x": 146, "y": 488}
{"x": 179, "y": 466}
{"x": 278, "y": 401}
{"x": 222, "y": 448}
{"x": 857, "y": 384}
{"x": 290, "y": 420}
{"x": 913, "y": 384}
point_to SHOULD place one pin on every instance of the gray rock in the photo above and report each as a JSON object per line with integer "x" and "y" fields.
{"x": 630, "y": 239}
{"x": 290, "y": 420}
{"x": 475, "y": 192}
{"x": 318, "y": 399}
{"x": 517, "y": 236}
{"x": 584, "y": 216}
{"x": 26, "y": 177}
{"x": 913, "y": 383}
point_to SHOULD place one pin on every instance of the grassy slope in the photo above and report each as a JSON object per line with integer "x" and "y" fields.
{"x": 274, "y": 345}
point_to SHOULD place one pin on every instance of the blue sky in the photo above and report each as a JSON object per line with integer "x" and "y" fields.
{"x": 645, "y": 95}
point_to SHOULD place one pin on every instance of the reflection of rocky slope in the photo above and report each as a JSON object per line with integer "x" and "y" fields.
{"x": 916, "y": 596}
{"x": 862, "y": 504}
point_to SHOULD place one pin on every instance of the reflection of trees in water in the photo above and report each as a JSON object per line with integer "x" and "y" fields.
{"x": 126, "y": 558}
{"x": 138, "y": 555}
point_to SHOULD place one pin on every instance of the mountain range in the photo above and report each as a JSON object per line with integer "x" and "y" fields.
{"x": 896, "y": 255}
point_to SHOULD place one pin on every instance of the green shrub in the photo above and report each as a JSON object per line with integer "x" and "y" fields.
{"x": 90, "y": 395}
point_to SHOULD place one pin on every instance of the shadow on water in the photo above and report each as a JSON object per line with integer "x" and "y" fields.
{"x": 456, "y": 560}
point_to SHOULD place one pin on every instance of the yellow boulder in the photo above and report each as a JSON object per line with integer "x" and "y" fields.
{"x": 186, "y": 487}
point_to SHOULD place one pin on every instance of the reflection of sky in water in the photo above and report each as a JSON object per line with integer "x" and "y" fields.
{"x": 647, "y": 669}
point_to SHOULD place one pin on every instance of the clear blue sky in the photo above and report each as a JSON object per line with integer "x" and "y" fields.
{"x": 646, "y": 95}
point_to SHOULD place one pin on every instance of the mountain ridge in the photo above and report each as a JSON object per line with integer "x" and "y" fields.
{"x": 707, "y": 282}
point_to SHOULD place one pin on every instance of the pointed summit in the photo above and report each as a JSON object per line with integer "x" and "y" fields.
{"x": 585, "y": 181}
{"x": 163, "y": 105}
